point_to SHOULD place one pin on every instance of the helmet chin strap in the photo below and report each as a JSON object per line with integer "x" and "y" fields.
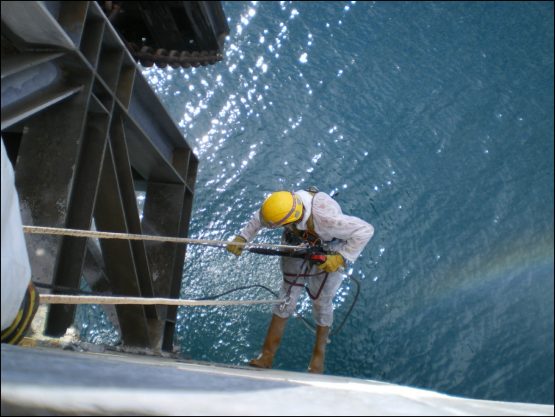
{"x": 300, "y": 219}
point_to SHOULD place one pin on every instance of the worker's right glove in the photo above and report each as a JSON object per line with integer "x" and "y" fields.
{"x": 333, "y": 263}
{"x": 236, "y": 249}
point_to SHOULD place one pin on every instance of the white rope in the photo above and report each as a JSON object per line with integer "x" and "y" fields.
{"x": 82, "y": 299}
{"x": 112, "y": 235}
{"x": 88, "y": 299}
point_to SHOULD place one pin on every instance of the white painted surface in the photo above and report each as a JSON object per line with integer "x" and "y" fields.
{"x": 16, "y": 272}
{"x": 158, "y": 386}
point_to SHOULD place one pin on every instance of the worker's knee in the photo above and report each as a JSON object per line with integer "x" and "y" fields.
{"x": 283, "y": 311}
{"x": 323, "y": 312}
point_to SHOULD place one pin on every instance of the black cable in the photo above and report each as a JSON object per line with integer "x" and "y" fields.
{"x": 73, "y": 291}
{"x": 213, "y": 297}
{"x": 336, "y": 330}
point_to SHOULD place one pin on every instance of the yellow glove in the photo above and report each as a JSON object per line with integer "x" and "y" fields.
{"x": 333, "y": 263}
{"x": 236, "y": 249}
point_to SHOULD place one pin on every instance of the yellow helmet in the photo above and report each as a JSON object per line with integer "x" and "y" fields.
{"x": 281, "y": 208}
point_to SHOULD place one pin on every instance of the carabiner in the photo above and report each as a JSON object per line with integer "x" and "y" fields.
{"x": 285, "y": 303}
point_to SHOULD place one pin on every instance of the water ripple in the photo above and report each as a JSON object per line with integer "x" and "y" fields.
{"x": 434, "y": 122}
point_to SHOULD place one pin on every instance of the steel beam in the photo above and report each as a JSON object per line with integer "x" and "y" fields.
{"x": 72, "y": 250}
{"x": 129, "y": 200}
{"x": 118, "y": 255}
{"x": 81, "y": 121}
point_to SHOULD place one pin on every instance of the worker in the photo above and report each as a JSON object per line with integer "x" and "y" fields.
{"x": 312, "y": 218}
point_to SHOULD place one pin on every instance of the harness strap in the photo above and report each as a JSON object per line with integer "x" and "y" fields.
{"x": 314, "y": 297}
{"x": 311, "y": 237}
{"x": 295, "y": 284}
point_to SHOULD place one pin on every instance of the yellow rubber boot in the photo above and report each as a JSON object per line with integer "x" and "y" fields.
{"x": 271, "y": 343}
{"x": 319, "y": 353}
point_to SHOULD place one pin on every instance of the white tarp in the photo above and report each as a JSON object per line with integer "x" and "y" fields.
{"x": 16, "y": 271}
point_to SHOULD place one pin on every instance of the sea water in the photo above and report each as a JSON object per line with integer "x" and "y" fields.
{"x": 433, "y": 122}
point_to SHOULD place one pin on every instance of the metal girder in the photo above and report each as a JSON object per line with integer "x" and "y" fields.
{"x": 82, "y": 123}
{"x": 118, "y": 255}
{"x": 72, "y": 250}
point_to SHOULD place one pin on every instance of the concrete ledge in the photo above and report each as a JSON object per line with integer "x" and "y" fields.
{"x": 51, "y": 381}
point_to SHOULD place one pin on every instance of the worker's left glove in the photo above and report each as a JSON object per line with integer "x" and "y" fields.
{"x": 236, "y": 249}
{"x": 332, "y": 263}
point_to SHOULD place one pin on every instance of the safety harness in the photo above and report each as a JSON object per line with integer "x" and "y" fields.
{"x": 294, "y": 236}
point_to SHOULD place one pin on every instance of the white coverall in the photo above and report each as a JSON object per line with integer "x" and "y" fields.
{"x": 338, "y": 232}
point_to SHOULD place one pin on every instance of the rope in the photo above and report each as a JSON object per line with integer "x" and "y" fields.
{"x": 63, "y": 290}
{"x": 84, "y": 299}
{"x": 112, "y": 235}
